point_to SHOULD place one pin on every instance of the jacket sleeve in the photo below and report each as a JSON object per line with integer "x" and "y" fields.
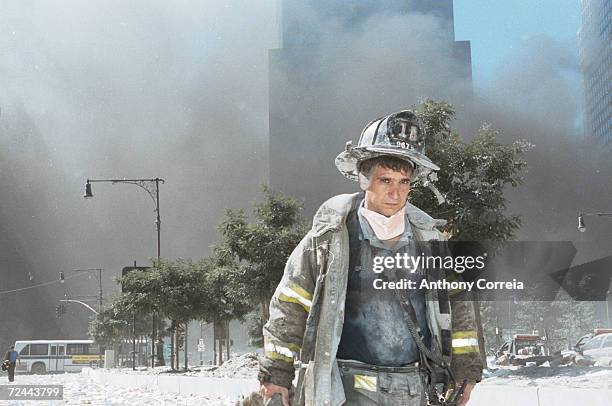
{"x": 289, "y": 309}
{"x": 466, "y": 362}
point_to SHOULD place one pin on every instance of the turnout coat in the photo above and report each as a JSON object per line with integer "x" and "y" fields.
{"x": 307, "y": 310}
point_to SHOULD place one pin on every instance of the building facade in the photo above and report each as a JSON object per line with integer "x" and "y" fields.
{"x": 595, "y": 44}
{"x": 341, "y": 64}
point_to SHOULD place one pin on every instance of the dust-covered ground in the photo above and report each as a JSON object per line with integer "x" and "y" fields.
{"x": 520, "y": 386}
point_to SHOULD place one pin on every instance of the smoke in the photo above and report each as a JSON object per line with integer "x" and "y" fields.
{"x": 537, "y": 95}
{"x": 337, "y": 70}
{"x": 116, "y": 90}
{"x": 112, "y": 89}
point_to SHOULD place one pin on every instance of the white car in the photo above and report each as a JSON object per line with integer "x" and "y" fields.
{"x": 599, "y": 348}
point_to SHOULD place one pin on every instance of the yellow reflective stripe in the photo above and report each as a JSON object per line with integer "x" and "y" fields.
{"x": 277, "y": 356}
{"x": 452, "y": 278}
{"x": 465, "y": 342}
{"x": 365, "y": 382}
{"x": 295, "y": 294}
{"x": 465, "y": 350}
{"x": 301, "y": 292}
{"x": 465, "y": 334}
{"x": 284, "y": 298}
{"x": 285, "y": 352}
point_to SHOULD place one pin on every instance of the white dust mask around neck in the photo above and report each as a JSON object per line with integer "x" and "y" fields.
{"x": 385, "y": 227}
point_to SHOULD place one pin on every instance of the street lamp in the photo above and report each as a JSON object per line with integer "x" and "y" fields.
{"x": 582, "y": 224}
{"x": 582, "y": 229}
{"x": 151, "y": 186}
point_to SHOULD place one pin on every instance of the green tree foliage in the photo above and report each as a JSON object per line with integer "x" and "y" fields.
{"x": 253, "y": 255}
{"x": 564, "y": 320}
{"x": 472, "y": 177}
{"x": 109, "y": 326}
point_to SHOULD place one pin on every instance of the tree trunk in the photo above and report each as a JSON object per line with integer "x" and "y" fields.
{"x": 160, "y": 350}
{"x": 214, "y": 344}
{"x": 265, "y": 309}
{"x": 228, "y": 343}
{"x": 185, "y": 346}
{"x": 172, "y": 330}
{"x": 178, "y": 345}
{"x": 481, "y": 341}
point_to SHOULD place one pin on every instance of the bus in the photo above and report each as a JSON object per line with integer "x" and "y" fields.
{"x": 42, "y": 356}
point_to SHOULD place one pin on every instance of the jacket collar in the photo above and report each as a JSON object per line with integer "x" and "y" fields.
{"x": 332, "y": 214}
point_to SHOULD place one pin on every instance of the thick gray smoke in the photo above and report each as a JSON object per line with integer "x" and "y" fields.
{"x": 116, "y": 90}
{"x": 340, "y": 68}
{"x": 537, "y": 95}
{"x": 113, "y": 89}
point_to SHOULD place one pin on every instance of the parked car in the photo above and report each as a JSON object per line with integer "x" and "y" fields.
{"x": 598, "y": 349}
{"x": 524, "y": 348}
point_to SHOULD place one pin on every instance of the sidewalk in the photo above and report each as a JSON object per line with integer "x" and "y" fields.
{"x": 176, "y": 383}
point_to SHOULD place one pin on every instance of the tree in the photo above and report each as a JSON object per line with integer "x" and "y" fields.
{"x": 108, "y": 327}
{"x": 473, "y": 177}
{"x": 113, "y": 324}
{"x": 252, "y": 256}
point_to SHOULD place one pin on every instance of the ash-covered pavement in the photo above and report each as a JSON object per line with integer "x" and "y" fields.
{"x": 526, "y": 386}
{"x": 80, "y": 389}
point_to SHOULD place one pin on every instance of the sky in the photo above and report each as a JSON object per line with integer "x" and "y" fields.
{"x": 497, "y": 27}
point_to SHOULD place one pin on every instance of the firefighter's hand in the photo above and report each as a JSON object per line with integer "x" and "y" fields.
{"x": 267, "y": 390}
{"x": 466, "y": 394}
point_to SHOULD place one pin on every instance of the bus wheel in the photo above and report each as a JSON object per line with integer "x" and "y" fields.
{"x": 39, "y": 368}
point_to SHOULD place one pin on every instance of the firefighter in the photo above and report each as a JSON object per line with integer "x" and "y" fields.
{"x": 349, "y": 342}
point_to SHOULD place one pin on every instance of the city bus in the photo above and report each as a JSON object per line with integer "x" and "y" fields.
{"x": 42, "y": 356}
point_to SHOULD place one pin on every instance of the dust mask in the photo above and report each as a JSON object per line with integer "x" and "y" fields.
{"x": 385, "y": 227}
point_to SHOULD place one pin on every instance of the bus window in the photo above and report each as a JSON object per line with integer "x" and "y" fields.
{"x": 25, "y": 350}
{"x": 39, "y": 349}
{"x": 77, "y": 349}
{"x": 53, "y": 350}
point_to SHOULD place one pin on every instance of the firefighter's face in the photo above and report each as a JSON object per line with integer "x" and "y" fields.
{"x": 387, "y": 191}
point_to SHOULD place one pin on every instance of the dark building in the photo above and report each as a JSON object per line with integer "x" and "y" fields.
{"x": 595, "y": 44}
{"x": 342, "y": 64}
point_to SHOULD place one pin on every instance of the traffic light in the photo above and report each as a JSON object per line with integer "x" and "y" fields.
{"x": 60, "y": 310}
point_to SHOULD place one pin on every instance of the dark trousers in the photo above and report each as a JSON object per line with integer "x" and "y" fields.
{"x": 11, "y": 372}
{"x": 367, "y": 385}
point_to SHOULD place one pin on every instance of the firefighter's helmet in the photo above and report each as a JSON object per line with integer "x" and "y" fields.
{"x": 399, "y": 134}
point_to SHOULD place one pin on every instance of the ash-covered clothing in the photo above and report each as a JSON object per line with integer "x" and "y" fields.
{"x": 375, "y": 331}
{"x": 364, "y": 386}
{"x": 308, "y": 306}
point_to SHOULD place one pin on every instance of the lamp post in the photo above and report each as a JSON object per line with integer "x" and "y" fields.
{"x": 151, "y": 186}
{"x": 582, "y": 229}
{"x": 582, "y": 224}
{"x": 81, "y": 303}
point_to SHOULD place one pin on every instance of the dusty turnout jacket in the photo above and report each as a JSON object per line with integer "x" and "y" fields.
{"x": 307, "y": 310}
